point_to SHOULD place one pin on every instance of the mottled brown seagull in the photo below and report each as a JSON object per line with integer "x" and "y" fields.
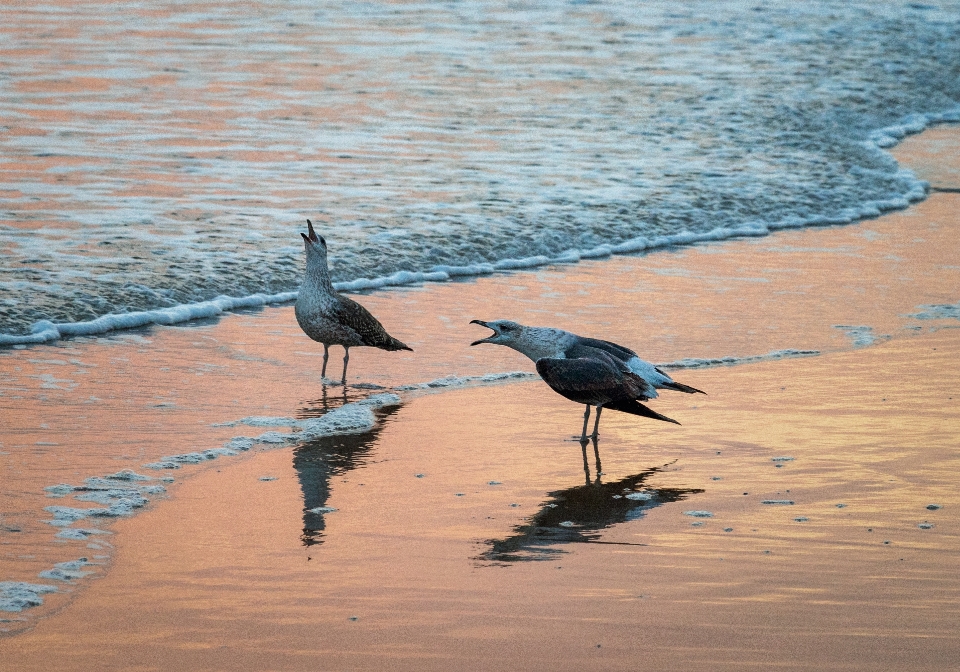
{"x": 587, "y": 370}
{"x": 332, "y": 319}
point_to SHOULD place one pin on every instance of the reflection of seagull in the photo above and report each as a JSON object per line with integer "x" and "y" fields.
{"x": 587, "y": 370}
{"x": 332, "y": 319}
{"x": 577, "y": 515}
{"x": 319, "y": 461}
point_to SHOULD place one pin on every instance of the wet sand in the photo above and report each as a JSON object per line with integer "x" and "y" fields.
{"x": 433, "y": 567}
{"x": 469, "y": 533}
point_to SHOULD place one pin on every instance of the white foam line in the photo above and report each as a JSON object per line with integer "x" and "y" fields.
{"x": 45, "y": 331}
{"x": 695, "y": 363}
{"x": 462, "y": 381}
{"x": 879, "y": 140}
{"x": 353, "y": 418}
{"x": 395, "y": 280}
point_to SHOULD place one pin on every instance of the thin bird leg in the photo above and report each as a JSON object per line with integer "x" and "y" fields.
{"x": 596, "y": 453}
{"x": 346, "y": 358}
{"x": 326, "y": 356}
{"x": 596, "y": 424}
{"x": 586, "y": 419}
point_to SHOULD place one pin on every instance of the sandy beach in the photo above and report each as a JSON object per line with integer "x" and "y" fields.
{"x": 803, "y": 517}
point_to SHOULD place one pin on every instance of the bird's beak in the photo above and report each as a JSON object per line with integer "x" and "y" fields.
{"x": 311, "y": 236}
{"x": 484, "y": 324}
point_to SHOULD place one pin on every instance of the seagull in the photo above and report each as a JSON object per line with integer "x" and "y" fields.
{"x": 332, "y": 319}
{"x": 587, "y": 370}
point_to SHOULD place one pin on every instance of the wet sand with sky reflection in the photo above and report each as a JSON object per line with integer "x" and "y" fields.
{"x": 469, "y": 532}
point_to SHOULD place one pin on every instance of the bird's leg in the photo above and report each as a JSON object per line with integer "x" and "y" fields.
{"x": 326, "y": 356}
{"x": 586, "y": 419}
{"x": 346, "y": 358}
{"x": 596, "y": 424}
{"x": 596, "y": 454}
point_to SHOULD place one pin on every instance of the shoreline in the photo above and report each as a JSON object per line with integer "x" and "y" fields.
{"x": 881, "y": 140}
{"x": 857, "y": 295}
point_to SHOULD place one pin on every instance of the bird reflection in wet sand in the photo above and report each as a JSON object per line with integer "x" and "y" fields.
{"x": 576, "y": 515}
{"x": 318, "y": 461}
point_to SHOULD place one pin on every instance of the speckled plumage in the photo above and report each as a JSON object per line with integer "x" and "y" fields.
{"x": 330, "y": 318}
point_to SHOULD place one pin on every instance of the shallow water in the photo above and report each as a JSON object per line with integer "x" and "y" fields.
{"x": 165, "y": 153}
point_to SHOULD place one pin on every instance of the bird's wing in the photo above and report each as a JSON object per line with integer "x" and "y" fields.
{"x": 618, "y": 352}
{"x": 583, "y": 350}
{"x": 353, "y": 315}
{"x": 592, "y": 379}
{"x": 634, "y": 385}
{"x": 580, "y": 376}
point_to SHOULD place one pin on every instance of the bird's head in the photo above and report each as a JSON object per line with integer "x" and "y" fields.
{"x": 316, "y": 248}
{"x": 534, "y": 342}
{"x": 505, "y": 332}
{"x": 313, "y": 242}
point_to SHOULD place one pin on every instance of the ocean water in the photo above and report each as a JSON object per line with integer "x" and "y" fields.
{"x": 158, "y": 155}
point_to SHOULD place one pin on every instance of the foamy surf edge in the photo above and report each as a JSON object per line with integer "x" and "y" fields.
{"x": 710, "y": 362}
{"x": 880, "y": 140}
{"x": 45, "y": 331}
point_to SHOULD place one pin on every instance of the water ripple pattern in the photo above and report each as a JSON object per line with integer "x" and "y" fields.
{"x": 154, "y": 154}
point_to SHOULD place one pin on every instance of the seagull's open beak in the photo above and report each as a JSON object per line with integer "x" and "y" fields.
{"x": 484, "y": 324}
{"x": 311, "y": 235}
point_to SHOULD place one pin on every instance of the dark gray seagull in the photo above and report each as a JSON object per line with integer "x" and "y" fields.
{"x": 332, "y": 319}
{"x": 587, "y": 370}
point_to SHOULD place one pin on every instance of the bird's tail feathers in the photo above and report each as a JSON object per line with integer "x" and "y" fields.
{"x": 393, "y": 344}
{"x": 636, "y": 408}
{"x": 680, "y": 387}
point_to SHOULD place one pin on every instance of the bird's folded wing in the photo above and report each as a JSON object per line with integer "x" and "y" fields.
{"x": 593, "y": 371}
{"x": 579, "y": 375}
{"x": 618, "y": 352}
{"x": 351, "y": 314}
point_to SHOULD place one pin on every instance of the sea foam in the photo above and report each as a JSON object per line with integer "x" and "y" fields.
{"x": 706, "y": 362}
{"x": 45, "y": 331}
{"x": 18, "y": 595}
